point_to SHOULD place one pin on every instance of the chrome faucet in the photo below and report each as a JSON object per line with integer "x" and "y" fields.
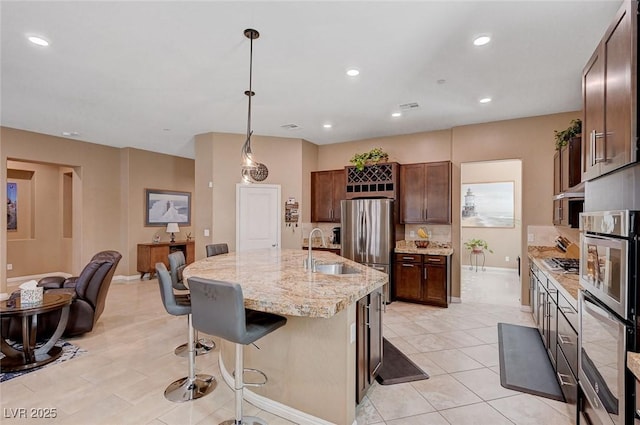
{"x": 310, "y": 263}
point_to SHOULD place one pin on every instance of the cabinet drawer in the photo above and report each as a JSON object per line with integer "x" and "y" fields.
{"x": 569, "y": 311}
{"x": 568, "y": 342}
{"x": 435, "y": 259}
{"x": 567, "y": 381}
{"x": 408, "y": 258}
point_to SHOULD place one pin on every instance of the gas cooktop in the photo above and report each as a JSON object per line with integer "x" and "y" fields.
{"x": 565, "y": 265}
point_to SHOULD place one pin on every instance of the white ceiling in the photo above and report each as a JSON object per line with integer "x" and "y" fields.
{"x": 153, "y": 74}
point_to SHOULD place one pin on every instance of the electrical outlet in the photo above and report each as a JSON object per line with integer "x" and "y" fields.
{"x": 206, "y": 232}
{"x": 530, "y": 237}
{"x": 506, "y": 258}
{"x": 353, "y": 333}
{"x": 9, "y": 266}
{"x": 412, "y": 234}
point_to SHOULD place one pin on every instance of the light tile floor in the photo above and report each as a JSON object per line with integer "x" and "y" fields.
{"x": 130, "y": 362}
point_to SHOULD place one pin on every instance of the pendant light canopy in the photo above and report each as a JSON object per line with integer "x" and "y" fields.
{"x": 251, "y": 169}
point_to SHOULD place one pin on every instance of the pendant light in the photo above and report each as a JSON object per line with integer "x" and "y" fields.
{"x": 251, "y": 169}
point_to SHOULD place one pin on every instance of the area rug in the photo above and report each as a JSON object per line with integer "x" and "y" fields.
{"x": 524, "y": 363}
{"x": 397, "y": 367}
{"x": 69, "y": 351}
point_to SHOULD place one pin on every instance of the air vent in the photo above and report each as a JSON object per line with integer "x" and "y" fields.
{"x": 290, "y": 126}
{"x": 409, "y": 106}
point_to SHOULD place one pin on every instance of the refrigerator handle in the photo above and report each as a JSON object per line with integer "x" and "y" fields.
{"x": 360, "y": 234}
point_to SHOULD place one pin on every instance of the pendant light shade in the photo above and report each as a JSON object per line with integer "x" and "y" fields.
{"x": 251, "y": 169}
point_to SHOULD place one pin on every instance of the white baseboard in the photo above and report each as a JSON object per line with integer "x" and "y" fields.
{"x": 271, "y": 406}
{"x": 127, "y": 278}
{"x": 526, "y": 308}
{"x": 455, "y": 300}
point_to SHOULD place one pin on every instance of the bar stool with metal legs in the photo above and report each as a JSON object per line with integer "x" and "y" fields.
{"x": 218, "y": 309}
{"x": 177, "y": 263}
{"x": 192, "y": 386}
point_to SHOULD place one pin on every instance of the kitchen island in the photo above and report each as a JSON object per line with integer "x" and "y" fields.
{"x": 311, "y": 361}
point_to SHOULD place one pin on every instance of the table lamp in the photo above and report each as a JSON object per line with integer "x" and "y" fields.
{"x": 173, "y": 228}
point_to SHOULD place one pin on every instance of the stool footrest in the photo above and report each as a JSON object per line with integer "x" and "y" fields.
{"x": 252, "y": 384}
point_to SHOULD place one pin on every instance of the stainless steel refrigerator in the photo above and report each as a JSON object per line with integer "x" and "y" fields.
{"x": 368, "y": 234}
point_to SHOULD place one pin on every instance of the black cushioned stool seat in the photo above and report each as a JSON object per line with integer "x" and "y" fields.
{"x": 218, "y": 309}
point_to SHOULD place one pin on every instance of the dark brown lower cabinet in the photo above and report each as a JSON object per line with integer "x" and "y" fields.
{"x": 423, "y": 279}
{"x": 368, "y": 341}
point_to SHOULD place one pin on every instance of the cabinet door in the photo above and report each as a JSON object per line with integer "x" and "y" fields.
{"x": 412, "y": 193}
{"x": 438, "y": 193}
{"x": 557, "y": 173}
{"x": 339, "y": 192}
{"x": 375, "y": 333}
{"x": 619, "y": 51}
{"x": 593, "y": 119}
{"x": 408, "y": 281}
{"x": 322, "y": 196}
{"x": 435, "y": 285}
{"x": 362, "y": 374}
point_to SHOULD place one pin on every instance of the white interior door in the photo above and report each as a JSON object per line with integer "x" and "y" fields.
{"x": 257, "y": 216}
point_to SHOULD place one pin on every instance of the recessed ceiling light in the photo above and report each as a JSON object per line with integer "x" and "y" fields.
{"x": 327, "y": 125}
{"x": 353, "y": 72}
{"x": 38, "y": 40}
{"x": 481, "y": 40}
{"x": 485, "y": 100}
{"x": 396, "y": 114}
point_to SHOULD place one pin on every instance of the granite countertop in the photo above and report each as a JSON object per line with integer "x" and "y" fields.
{"x": 633, "y": 363}
{"x": 434, "y": 248}
{"x": 275, "y": 281}
{"x": 568, "y": 282}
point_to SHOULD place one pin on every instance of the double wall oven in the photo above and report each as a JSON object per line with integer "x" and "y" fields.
{"x": 608, "y": 306}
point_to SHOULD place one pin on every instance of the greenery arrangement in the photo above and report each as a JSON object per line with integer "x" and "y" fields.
{"x": 563, "y": 136}
{"x": 374, "y": 156}
{"x": 477, "y": 244}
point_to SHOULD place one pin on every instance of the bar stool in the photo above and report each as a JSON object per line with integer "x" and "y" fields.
{"x": 216, "y": 249}
{"x": 193, "y": 386}
{"x": 218, "y": 309}
{"x": 177, "y": 263}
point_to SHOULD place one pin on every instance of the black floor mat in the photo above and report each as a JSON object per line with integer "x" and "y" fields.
{"x": 397, "y": 367}
{"x": 524, "y": 363}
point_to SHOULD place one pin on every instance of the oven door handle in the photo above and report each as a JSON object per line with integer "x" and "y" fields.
{"x": 598, "y": 311}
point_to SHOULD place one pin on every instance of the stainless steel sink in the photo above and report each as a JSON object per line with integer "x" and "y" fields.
{"x": 336, "y": 268}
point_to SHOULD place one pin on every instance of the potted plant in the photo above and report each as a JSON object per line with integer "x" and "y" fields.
{"x": 563, "y": 136}
{"x": 477, "y": 245}
{"x": 374, "y": 156}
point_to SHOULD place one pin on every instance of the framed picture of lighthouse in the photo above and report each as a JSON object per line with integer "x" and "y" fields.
{"x": 166, "y": 206}
{"x": 487, "y": 204}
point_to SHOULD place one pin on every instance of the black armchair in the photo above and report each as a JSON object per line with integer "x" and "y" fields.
{"x": 89, "y": 291}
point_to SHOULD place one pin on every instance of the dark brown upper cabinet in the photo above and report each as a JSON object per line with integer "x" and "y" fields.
{"x": 425, "y": 193}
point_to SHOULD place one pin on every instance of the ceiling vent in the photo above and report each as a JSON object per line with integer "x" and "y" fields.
{"x": 290, "y": 126}
{"x": 409, "y": 106}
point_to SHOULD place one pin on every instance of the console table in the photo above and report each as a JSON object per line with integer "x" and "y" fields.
{"x": 151, "y": 253}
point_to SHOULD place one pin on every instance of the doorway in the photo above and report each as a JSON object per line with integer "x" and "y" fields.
{"x": 491, "y": 211}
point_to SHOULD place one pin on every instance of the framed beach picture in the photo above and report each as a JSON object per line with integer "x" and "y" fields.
{"x": 487, "y": 204}
{"x": 12, "y": 207}
{"x": 166, "y": 206}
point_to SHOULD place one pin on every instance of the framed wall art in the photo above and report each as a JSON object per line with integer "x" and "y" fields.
{"x": 12, "y": 207}
{"x": 167, "y": 206}
{"x": 487, "y": 204}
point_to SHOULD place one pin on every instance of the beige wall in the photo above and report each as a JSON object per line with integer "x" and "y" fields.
{"x": 108, "y": 186}
{"x": 504, "y": 242}
{"x": 218, "y": 161}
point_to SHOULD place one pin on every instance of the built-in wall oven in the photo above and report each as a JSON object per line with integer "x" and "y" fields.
{"x": 608, "y": 304}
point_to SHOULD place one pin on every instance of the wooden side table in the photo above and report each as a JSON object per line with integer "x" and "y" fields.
{"x": 151, "y": 253}
{"x": 30, "y": 356}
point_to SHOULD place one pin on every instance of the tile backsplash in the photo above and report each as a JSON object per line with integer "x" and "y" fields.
{"x": 546, "y": 235}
